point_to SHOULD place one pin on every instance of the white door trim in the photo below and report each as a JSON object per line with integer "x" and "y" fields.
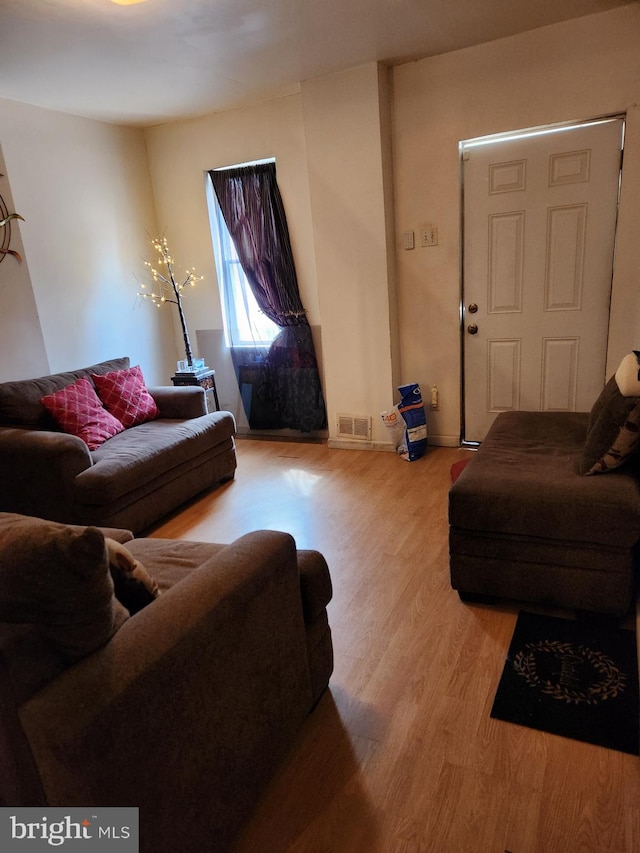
{"x": 466, "y": 145}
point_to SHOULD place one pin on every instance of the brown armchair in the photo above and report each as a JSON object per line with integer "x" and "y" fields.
{"x": 186, "y": 708}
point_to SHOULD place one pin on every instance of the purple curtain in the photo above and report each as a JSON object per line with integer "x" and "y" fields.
{"x": 287, "y": 392}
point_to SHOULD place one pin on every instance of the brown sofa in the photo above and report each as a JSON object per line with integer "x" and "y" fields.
{"x": 526, "y": 524}
{"x": 131, "y": 480}
{"x": 185, "y": 708}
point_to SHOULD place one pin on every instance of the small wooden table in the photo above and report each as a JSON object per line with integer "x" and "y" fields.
{"x": 205, "y": 378}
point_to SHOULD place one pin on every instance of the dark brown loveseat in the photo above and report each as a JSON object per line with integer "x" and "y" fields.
{"x": 132, "y": 479}
{"x": 526, "y": 524}
{"x": 185, "y": 708}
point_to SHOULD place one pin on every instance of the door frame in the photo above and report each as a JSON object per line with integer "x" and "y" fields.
{"x": 506, "y": 136}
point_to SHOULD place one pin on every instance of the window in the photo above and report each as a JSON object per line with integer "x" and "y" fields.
{"x": 245, "y": 325}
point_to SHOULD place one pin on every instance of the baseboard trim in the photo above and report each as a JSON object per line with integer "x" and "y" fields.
{"x": 294, "y": 435}
{"x": 444, "y": 440}
{"x": 359, "y": 444}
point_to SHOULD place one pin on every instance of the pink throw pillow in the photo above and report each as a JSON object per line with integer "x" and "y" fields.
{"x": 125, "y": 395}
{"x": 78, "y": 411}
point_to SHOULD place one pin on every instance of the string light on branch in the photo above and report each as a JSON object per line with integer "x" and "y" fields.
{"x": 168, "y": 288}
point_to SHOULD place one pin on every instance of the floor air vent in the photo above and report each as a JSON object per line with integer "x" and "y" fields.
{"x": 354, "y": 426}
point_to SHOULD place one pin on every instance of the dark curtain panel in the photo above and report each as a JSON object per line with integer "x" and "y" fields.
{"x": 285, "y": 381}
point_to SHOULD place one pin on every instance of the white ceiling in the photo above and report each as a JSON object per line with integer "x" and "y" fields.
{"x": 167, "y": 59}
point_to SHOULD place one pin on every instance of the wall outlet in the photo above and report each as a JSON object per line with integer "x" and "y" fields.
{"x": 428, "y": 235}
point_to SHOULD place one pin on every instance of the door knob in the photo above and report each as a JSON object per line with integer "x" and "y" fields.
{"x": 472, "y": 308}
{"x": 472, "y": 329}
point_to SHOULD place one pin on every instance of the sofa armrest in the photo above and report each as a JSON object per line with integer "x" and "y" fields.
{"x": 199, "y": 693}
{"x": 181, "y": 402}
{"x": 39, "y": 469}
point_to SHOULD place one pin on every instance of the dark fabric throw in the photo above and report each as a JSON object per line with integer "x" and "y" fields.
{"x": 288, "y": 393}
{"x": 254, "y": 214}
{"x": 607, "y": 417}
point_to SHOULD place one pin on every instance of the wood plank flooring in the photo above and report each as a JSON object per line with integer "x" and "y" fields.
{"x": 401, "y": 755}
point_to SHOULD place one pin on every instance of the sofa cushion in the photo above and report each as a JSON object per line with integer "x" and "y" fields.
{"x": 148, "y": 452}
{"x": 608, "y": 416}
{"x": 524, "y": 478}
{"x": 171, "y": 560}
{"x": 77, "y": 410}
{"x": 624, "y": 445}
{"x": 124, "y": 394}
{"x": 20, "y": 400}
{"x": 56, "y": 577}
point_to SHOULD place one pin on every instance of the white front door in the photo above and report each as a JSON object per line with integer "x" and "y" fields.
{"x": 539, "y": 231}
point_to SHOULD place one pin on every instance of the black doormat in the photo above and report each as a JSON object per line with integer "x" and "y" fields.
{"x": 572, "y": 679}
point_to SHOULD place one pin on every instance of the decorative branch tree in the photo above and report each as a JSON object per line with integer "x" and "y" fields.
{"x": 170, "y": 290}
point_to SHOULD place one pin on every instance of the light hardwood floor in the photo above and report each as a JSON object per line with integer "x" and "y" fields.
{"x": 401, "y": 755}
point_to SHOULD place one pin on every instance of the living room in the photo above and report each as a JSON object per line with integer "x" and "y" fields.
{"x": 350, "y": 156}
{"x": 363, "y": 155}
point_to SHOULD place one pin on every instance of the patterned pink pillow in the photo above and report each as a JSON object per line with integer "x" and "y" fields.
{"x": 78, "y": 411}
{"x": 125, "y": 395}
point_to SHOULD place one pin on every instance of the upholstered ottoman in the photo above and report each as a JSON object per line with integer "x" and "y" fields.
{"x": 525, "y": 524}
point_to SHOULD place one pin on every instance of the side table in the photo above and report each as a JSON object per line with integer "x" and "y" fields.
{"x": 205, "y": 378}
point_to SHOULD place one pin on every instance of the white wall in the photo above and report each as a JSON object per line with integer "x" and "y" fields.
{"x": 347, "y": 159}
{"x": 571, "y": 71}
{"x": 84, "y": 191}
{"x": 21, "y": 341}
{"x": 329, "y": 161}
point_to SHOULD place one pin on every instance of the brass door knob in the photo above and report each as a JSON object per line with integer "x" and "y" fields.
{"x": 472, "y": 329}
{"x": 472, "y": 308}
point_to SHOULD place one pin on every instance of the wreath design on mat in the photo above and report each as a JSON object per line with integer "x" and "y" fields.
{"x": 582, "y": 676}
